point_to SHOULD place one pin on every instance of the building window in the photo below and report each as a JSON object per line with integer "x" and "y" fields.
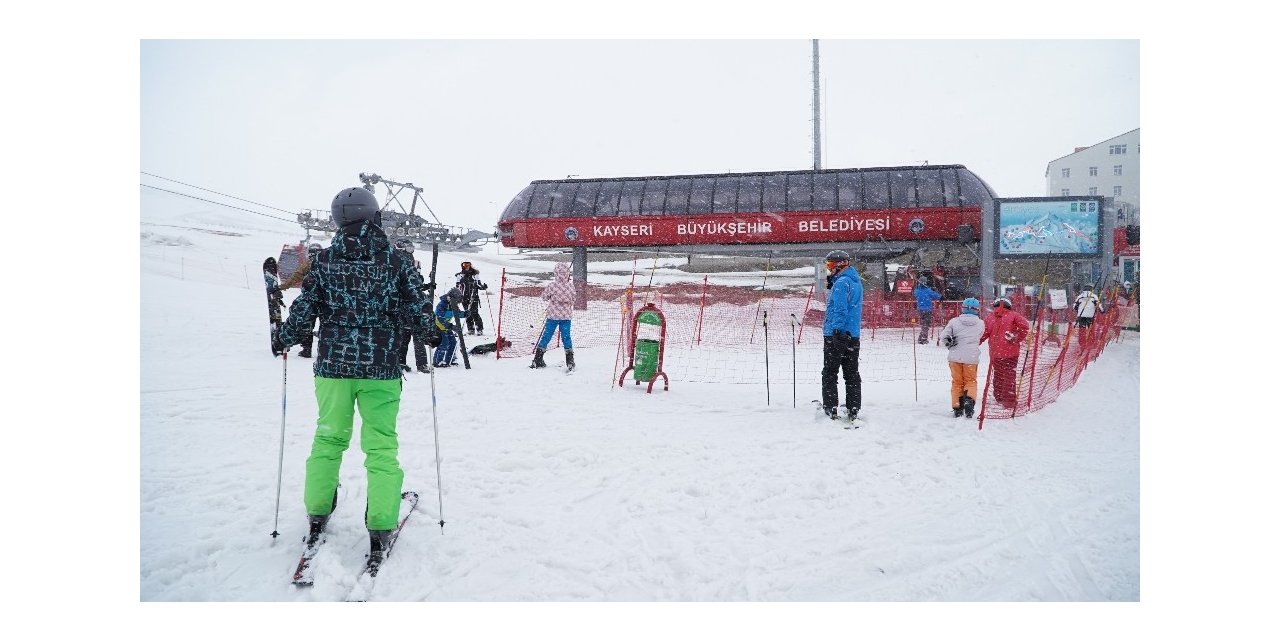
{"x": 1118, "y": 149}
{"x": 1093, "y": 171}
{"x": 1117, "y": 170}
{"x": 1093, "y": 191}
{"x": 1066, "y": 192}
{"x": 1116, "y": 192}
{"x": 1066, "y": 172}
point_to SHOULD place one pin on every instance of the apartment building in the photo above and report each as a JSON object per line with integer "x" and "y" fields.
{"x": 1109, "y": 168}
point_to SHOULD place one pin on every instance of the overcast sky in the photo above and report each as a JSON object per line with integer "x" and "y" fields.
{"x": 288, "y": 123}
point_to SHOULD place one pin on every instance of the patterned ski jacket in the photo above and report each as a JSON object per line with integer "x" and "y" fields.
{"x": 362, "y": 291}
{"x": 844, "y": 304}
{"x": 997, "y": 324}
{"x": 560, "y": 294}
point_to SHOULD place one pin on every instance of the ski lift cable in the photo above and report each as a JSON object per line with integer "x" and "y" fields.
{"x": 212, "y": 191}
{"x": 221, "y": 204}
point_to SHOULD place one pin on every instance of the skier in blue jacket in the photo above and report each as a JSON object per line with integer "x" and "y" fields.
{"x": 924, "y": 305}
{"x": 841, "y": 332}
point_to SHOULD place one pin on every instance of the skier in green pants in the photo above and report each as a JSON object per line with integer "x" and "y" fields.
{"x": 363, "y": 293}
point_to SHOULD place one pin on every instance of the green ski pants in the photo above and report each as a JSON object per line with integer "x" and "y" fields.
{"x": 379, "y": 403}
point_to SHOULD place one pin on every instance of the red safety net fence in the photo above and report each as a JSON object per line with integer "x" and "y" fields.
{"x": 717, "y": 333}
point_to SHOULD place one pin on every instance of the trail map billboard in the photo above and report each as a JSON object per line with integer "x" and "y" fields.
{"x": 1062, "y": 226}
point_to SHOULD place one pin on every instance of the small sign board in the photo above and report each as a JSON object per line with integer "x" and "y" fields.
{"x": 1057, "y": 298}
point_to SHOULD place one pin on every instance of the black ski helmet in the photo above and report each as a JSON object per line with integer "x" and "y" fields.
{"x": 269, "y": 265}
{"x": 353, "y": 206}
{"x": 838, "y": 255}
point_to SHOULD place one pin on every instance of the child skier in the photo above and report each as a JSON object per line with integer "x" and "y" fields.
{"x": 961, "y": 336}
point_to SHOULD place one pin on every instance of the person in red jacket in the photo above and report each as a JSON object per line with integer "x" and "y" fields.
{"x": 1006, "y": 329}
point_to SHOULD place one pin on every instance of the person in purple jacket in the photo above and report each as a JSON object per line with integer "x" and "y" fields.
{"x": 559, "y": 296}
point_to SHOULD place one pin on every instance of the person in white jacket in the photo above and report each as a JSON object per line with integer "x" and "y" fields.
{"x": 1086, "y": 307}
{"x": 961, "y": 336}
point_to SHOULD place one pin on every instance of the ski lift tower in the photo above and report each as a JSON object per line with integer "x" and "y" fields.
{"x": 399, "y": 222}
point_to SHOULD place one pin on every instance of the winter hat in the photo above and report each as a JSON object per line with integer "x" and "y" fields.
{"x": 970, "y": 305}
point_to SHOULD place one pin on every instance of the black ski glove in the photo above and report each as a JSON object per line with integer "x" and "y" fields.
{"x": 277, "y": 345}
{"x": 949, "y": 341}
{"x": 433, "y": 338}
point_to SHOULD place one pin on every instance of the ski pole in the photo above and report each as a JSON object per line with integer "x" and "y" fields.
{"x": 766, "y": 357}
{"x": 284, "y": 399}
{"x": 793, "y": 361}
{"x": 435, "y": 427}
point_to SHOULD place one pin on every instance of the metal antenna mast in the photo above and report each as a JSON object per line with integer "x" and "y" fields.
{"x": 817, "y": 113}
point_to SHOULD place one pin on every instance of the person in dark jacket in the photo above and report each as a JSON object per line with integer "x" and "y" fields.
{"x": 470, "y": 285}
{"x": 924, "y": 307}
{"x": 295, "y": 280}
{"x": 406, "y": 333}
{"x": 275, "y": 301}
{"x": 841, "y": 335}
{"x": 361, "y": 290}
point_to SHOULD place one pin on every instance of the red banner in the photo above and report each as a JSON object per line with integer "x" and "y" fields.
{"x": 756, "y": 228}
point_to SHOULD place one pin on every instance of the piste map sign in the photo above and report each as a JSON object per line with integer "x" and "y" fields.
{"x": 1062, "y": 226}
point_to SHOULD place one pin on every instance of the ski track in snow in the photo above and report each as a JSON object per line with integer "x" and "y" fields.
{"x": 570, "y": 488}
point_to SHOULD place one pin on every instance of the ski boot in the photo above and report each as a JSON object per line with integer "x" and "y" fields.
{"x": 379, "y": 545}
{"x": 568, "y": 359}
{"x": 538, "y": 362}
{"x": 957, "y": 410}
{"x": 832, "y": 412}
{"x": 315, "y": 530}
{"x": 424, "y": 368}
{"x": 967, "y": 403}
{"x": 306, "y": 351}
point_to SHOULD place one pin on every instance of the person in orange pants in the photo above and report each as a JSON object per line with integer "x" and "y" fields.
{"x": 961, "y": 336}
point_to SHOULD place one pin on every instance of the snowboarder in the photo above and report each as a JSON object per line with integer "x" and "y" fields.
{"x": 275, "y": 301}
{"x": 841, "y": 334}
{"x": 1005, "y": 329}
{"x": 962, "y": 336}
{"x": 560, "y": 295}
{"x": 470, "y": 285}
{"x": 924, "y": 306}
{"x": 360, "y": 289}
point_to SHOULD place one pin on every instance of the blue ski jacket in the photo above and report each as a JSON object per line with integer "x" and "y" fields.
{"x": 925, "y": 297}
{"x": 844, "y": 304}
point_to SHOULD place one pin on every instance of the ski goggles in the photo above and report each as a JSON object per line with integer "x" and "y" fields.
{"x": 832, "y": 265}
{"x": 466, "y": 265}
{"x": 1002, "y": 302}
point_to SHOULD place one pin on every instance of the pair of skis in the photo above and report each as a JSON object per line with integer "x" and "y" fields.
{"x": 304, "y": 574}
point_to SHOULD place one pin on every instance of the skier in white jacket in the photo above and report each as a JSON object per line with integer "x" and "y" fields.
{"x": 961, "y": 337}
